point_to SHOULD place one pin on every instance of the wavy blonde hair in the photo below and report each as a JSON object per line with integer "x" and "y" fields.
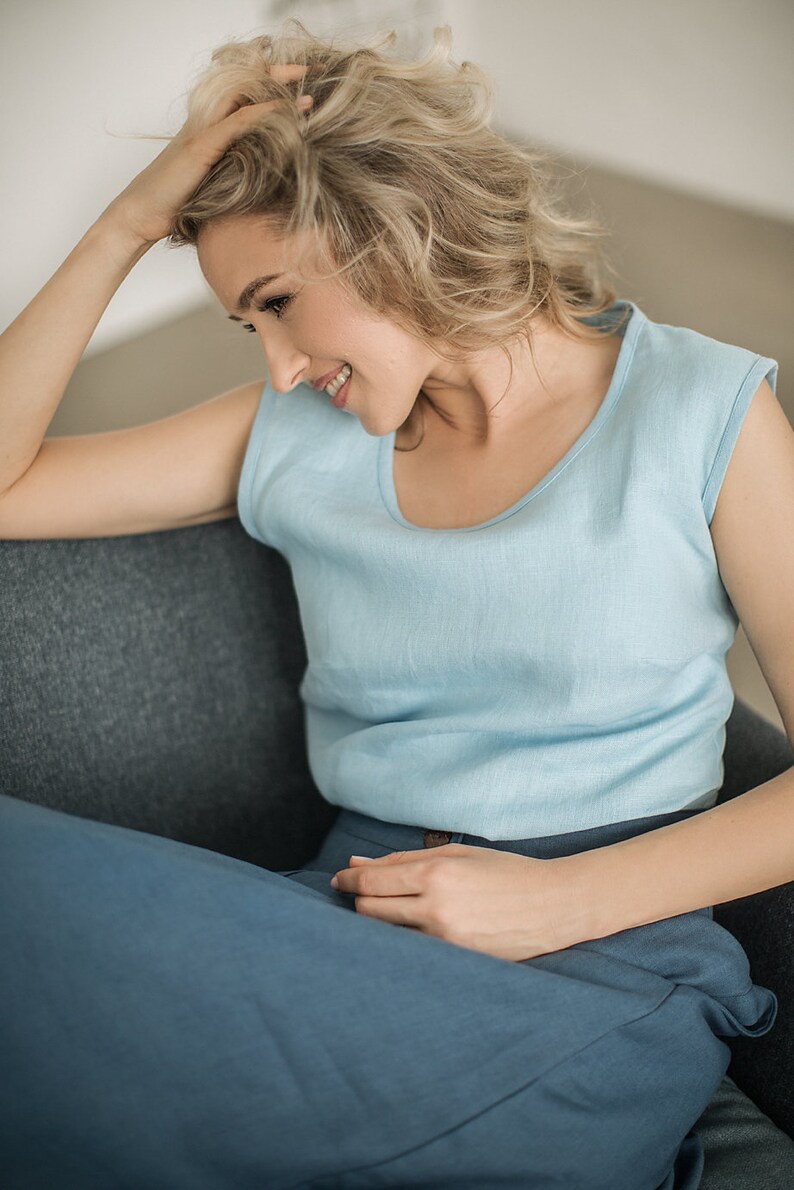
{"x": 427, "y": 215}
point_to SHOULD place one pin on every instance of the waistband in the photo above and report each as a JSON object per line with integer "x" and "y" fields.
{"x": 402, "y": 837}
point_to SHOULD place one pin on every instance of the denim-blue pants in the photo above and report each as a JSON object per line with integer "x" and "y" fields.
{"x": 174, "y": 1019}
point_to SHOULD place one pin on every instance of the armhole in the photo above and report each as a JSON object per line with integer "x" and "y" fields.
{"x": 253, "y": 450}
{"x": 763, "y": 368}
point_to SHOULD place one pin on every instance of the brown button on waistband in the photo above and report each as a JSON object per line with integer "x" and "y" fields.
{"x": 436, "y": 838}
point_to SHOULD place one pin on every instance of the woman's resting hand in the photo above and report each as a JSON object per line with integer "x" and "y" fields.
{"x": 507, "y": 905}
{"x": 146, "y": 208}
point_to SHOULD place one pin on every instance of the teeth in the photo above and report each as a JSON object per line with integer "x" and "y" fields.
{"x": 333, "y": 386}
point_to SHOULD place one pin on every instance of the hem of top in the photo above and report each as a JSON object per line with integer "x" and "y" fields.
{"x": 367, "y": 827}
{"x": 761, "y": 367}
{"x": 253, "y": 451}
{"x": 385, "y": 454}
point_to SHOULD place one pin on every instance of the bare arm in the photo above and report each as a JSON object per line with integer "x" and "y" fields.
{"x": 66, "y": 311}
{"x": 181, "y": 470}
{"x": 742, "y": 846}
{"x": 33, "y": 378}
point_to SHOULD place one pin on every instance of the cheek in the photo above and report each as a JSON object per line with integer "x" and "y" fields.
{"x": 324, "y": 333}
{"x": 384, "y": 351}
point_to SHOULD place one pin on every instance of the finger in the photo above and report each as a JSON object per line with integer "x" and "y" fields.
{"x": 287, "y": 72}
{"x": 256, "y": 110}
{"x": 254, "y": 113}
{"x": 378, "y": 880}
{"x": 394, "y": 857}
{"x": 212, "y": 142}
{"x": 227, "y": 105}
{"x": 398, "y": 911}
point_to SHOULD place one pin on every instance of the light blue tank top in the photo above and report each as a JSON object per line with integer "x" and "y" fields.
{"x": 557, "y": 667}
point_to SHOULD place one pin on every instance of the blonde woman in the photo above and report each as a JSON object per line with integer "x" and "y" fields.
{"x": 523, "y": 522}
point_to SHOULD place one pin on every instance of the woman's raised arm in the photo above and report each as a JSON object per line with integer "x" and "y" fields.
{"x": 41, "y": 348}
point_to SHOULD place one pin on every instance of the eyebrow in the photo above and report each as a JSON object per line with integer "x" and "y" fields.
{"x": 250, "y": 292}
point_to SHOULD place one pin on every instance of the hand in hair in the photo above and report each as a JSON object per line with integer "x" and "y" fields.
{"x": 146, "y": 208}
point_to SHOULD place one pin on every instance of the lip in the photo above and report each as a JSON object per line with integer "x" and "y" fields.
{"x": 340, "y": 400}
{"x": 321, "y": 383}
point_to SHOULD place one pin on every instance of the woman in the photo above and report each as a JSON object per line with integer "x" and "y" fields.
{"x": 517, "y": 585}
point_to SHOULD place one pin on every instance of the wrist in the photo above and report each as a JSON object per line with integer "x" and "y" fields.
{"x": 574, "y": 904}
{"x": 118, "y": 237}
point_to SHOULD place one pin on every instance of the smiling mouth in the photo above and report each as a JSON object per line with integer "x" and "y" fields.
{"x": 333, "y": 386}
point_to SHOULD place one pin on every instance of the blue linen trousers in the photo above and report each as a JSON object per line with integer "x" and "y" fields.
{"x": 175, "y": 1019}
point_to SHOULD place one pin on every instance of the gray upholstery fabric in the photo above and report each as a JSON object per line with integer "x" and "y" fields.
{"x": 743, "y": 1149}
{"x": 152, "y": 681}
{"x": 755, "y": 752}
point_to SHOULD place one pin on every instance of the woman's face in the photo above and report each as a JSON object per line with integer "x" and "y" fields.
{"x": 310, "y": 328}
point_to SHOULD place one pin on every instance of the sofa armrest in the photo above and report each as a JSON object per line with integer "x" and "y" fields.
{"x": 755, "y": 752}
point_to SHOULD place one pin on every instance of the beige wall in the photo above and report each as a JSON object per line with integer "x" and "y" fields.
{"x": 684, "y": 260}
{"x": 697, "y": 94}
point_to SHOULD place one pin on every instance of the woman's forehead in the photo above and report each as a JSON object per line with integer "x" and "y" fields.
{"x": 235, "y": 245}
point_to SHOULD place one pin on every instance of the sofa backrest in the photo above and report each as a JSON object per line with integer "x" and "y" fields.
{"x": 151, "y": 681}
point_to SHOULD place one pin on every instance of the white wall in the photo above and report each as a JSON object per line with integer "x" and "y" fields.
{"x": 693, "y": 93}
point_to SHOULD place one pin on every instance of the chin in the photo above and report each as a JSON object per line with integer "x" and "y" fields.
{"x": 376, "y": 427}
{"x": 374, "y": 431}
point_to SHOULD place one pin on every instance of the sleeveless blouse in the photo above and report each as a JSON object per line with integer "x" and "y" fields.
{"x": 557, "y": 667}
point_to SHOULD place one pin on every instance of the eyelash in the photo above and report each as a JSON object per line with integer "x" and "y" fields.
{"x": 277, "y": 304}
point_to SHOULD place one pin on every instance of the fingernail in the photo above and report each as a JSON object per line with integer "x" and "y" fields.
{"x": 334, "y": 883}
{"x": 366, "y": 857}
{"x": 305, "y": 102}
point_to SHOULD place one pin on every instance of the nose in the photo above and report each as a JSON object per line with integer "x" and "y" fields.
{"x": 287, "y": 367}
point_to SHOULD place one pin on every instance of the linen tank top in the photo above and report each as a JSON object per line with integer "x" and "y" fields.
{"x": 557, "y": 667}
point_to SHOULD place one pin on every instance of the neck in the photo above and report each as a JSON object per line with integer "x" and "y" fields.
{"x": 478, "y": 402}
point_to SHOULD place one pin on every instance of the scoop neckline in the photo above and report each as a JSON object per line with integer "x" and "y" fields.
{"x": 629, "y": 332}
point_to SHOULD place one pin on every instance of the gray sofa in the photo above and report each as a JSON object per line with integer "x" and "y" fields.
{"x": 151, "y": 681}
